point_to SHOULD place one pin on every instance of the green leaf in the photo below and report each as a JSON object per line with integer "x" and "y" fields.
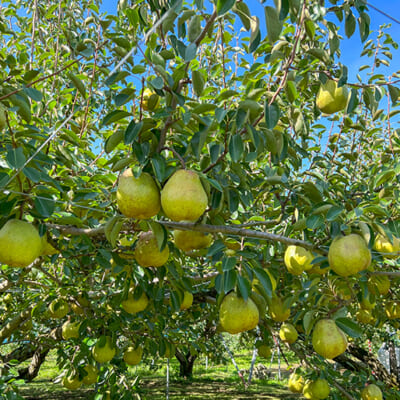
{"x": 349, "y": 327}
{"x": 114, "y": 116}
{"x": 384, "y": 177}
{"x": 350, "y": 24}
{"x": 264, "y": 279}
{"x": 255, "y": 35}
{"x": 394, "y": 93}
{"x": 160, "y": 233}
{"x": 244, "y": 287}
{"x": 236, "y": 147}
{"x": 190, "y": 52}
{"x": 314, "y": 221}
{"x": 228, "y": 263}
{"x": 223, "y": 6}
{"x": 16, "y": 158}
{"x": 272, "y": 114}
{"x": 33, "y": 94}
{"x": 242, "y": 10}
{"x": 229, "y": 278}
{"x": 274, "y": 24}
{"x": 334, "y": 212}
{"x": 33, "y": 174}
{"x": 44, "y": 205}
{"x": 132, "y": 131}
{"x": 112, "y": 229}
{"x": 308, "y": 321}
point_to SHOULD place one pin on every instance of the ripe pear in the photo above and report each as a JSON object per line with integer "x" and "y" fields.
{"x": 238, "y": 315}
{"x": 277, "y": 311}
{"x": 288, "y": 333}
{"x": 132, "y": 305}
{"x": 183, "y": 197}
{"x": 328, "y": 339}
{"x": 58, "y": 308}
{"x": 151, "y": 100}
{"x": 331, "y": 98}
{"x": 70, "y": 330}
{"x": 79, "y": 303}
{"x": 392, "y": 309}
{"x": 191, "y": 240}
{"x": 147, "y": 253}
{"x": 91, "y": 374}
{"x": 379, "y": 284}
{"x": 71, "y": 382}
{"x": 349, "y": 255}
{"x": 133, "y": 356}
{"x": 20, "y": 243}
{"x": 371, "y": 392}
{"x": 386, "y": 247}
{"x": 138, "y": 197}
{"x": 295, "y": 383}
{"x": 187, "y": 301}
{"x": 297, "y": 259}
{"x": 264, "y": 351}
{"x": 364, "y": 316}
{"x": 315, "y": 390}
{"x": 47, "y": 248}
{"x": 103, "y": 352}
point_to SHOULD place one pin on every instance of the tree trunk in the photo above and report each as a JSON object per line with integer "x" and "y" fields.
{"x": 394, "y": 370}
{"x": 30, "y": 373}
{"x": 186, "y": 363}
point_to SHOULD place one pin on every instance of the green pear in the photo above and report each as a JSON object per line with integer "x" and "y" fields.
{"x": 191, "y": 240}
{"x": 297, "y": 259}
{"x": 295, "y": 383}
{"x": 138, "y": 197}
{"x": 371, "y": 392}
{"x": 349, "y": 255}
{"x": 70, "y": 330}
{"x": 147, "y": 253}
{"x": 132, "y": 305}
{"x": 331, "y": 98}
{"x": 183, "y": 197}
{"x": 133, "y": 356}
{"x": 103, "y": 352}
{"x": 316, "y": 390}
{"x": 328, "y": 339}
{"x": 20, "y": 243}
{"x": 288, "y": 333}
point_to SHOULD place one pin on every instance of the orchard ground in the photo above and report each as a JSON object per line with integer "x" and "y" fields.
{"x": 220, "y": 381}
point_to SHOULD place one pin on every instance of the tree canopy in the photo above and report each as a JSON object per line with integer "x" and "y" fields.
{"x": 287, "y": 151}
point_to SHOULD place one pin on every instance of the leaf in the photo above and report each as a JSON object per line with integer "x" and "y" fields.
{"x": 78, "y": 84}
{"x": 198, "y": 83}
{"x": 272, "y": 114}
{"x": 308, "y": 321}
{"x": 33, "y": 174}
{"x": 274, "y": 24}
{"x": 334, "y": 212}
{"x": 349, "y": 327}
{"x": 190, "y": 52}
{"x": 223, "y": 6}
{"x": 132, "y": 131}
{"x": 114, "y": 116}
{"x": 236, "y": 147}
{"x": 33, "y": 94}
{"x": 384, "y": 177}
{"x": 314, "y": 221}
{"x": 394, "y": 93}
{"x": 244, "y": 287}
{"x": 229, "y": 278}
{"x": 228, "y": 263}
{"x": 255, "y": 35}
{"x": 242, "y": 10}
{"x": 44, "y": 206}
{"x": 110, "y": 232}
{"x": 350, "y": 24}
{"x": 264, "y": 279}
{"x": 16, "y": 158}
{"x": 160, "y": 233}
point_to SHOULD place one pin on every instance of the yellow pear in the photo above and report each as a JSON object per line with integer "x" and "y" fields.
{"x": 264, "y": 351}
{"x": 386, "y": 247}
{"x": 238, "y": 315}
{"x": 297, "y": 259}
{"x": 71, "y": 382}
{"x": 103, "y": 352}
{"x": 132, "y": 356}
{"x": 371, "y": 392}
{"x": 183, "y": 197}
{"x": 288, "y": 333}
{"x": 331, "y": 98}
{"x": 191, "y": 240}
{"x": 277, "y": 311}
{"x": 328, "y": 339}
{"x": 379, "y": 284}
{"x": 91, "y": 374}
{"x": 70, "y": 330}
{"x": 367, "y": 303}
{"x": 58, "y": 308}
{"x": 47, "y": 248}
{"x": 349, "y": 255}
{"x": 151, "y": 100}
{"x": 316, "y": 390}
{"x": 295, "y": 383}
{"x": 20, "y": 243}
{"x": 138, "y": 197}
{"x": 79, "y": 304}
{"x": 187, "y": 301}
{"x": 364, "y": 316}
{"x": 147, "y": 253}
{"x": 132, "y": 305}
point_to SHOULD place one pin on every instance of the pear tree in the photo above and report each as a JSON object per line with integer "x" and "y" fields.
{"x": 174, "y": 172}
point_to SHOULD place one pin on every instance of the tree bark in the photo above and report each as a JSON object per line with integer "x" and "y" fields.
{"x": 31, "y": 372}
{"x": 394, "y": 369}
{"x": 186, "y": 363}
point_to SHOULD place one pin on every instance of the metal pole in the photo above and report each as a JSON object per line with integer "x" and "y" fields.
{"x": 253, "y": 361}
{"x": 167, "y": 391}
{"x": 233, "y": 360}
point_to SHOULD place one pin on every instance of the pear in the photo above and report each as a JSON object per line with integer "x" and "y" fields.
{"x": 392, "y": 309}
{"x": 132, "y": 305}
{"x": 277, "y": 311}
{"x": 132, "y": 356}
{"x": 183, "y": 197}
{"x": 191, "y": 240}
{"x": 387, "y": 248}
{"x": 379, "y": 284}
{"x": 316, "y": 390}
{"x": 288, "y": 333}
{"x": 72, "y": 382}
{"x": 58, "y": 308}
{"x": 349, "y": 255}
{"x": 371, "y": 392}
{"x": 295, "y": 383}
{"x": 138, "y": 197}
{"x": 70, "y": 330}
{"x": 297, "y": 259}
{"x": 328, "y": 339}
{"x": 331, "y": 98}
{"x": 47, "y": 248}
{"x": 238, "y": 315}
{"x": 91, "y": 374}
{"x": 147, "y": 253}
{"x": 187, "y": 301}
{"x": 364, "y": 316}
{"x": 151, "y": 100}
{"x": 20, "y": 243}
{"x": 104, "y": 350}
{"x": 264, "y": 351}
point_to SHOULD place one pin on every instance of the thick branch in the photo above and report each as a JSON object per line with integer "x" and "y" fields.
{"x": 9, "y": 328}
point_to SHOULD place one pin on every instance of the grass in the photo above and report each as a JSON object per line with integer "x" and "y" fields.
{"x": 217, "y": 381}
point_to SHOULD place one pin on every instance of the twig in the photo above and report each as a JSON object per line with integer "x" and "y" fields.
{"x": 176, "y": 154}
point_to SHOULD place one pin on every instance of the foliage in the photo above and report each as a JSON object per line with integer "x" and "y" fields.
{"x": 237, "y": 106}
